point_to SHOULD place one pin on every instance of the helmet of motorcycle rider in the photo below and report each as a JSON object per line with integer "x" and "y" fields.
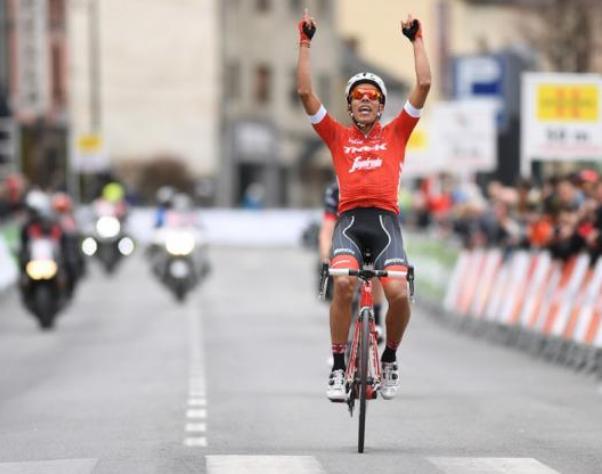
{"x": 165, "y": 195}
{"x": 113, "y": 192}
{"x": 38, "y": 203}
{"x": 61, "y": 203}
{"x": 366, "y": 78}
{"x": 182, "y": 202}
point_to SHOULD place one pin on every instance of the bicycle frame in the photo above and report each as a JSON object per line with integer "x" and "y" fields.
{"x": 374, "y": 370}
{"x": 363, "y": 375}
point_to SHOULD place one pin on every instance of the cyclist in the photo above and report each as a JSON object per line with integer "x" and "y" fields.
{"x": 367, "y": 159}
{"x": 331, "y": 205}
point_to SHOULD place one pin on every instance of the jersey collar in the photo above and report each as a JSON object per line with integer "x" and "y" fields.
{"x": 374, "y": 132}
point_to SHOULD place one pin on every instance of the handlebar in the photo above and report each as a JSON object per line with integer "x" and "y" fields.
{"x": 367, "y": 274}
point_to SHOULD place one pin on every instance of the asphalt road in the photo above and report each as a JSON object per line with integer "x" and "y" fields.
{"x": 233, "y": 381}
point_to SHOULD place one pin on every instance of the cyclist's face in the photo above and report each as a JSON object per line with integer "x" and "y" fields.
{"x": 365, "y": 108}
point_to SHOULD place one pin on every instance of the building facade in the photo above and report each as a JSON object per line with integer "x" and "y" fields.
{"x": 145, "y": 80}
{"x": 271, "y": 155}
{"x": 33, "y": 82}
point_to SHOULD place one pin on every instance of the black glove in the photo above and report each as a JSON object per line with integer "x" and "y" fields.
{"x": 413, "y": 31}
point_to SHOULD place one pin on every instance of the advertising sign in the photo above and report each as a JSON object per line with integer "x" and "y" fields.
{"x": 481, "y": 77}
{"x": 464, "y": 135}
{"x": 561, "y": 118}
{"x": 90, "y": 154}
{"x": 419, "y": 161}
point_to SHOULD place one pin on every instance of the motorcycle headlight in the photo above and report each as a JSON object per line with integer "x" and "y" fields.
{"x": 89, "y": 246}
{"x": 41, "y": 269}
{"x": 126, "y": 246}
{"x": 108, "y": 227}
{"x": 180, "y": 244}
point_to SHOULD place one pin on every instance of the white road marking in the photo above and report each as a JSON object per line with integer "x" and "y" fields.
{"x": 491, "y": 466}
{"x": 201, "y": 413}
{"x": 263, "y": 465}
{"x": 196, "y": 427}
{"x": 63, "y": 466}
{"x": 196, "y": 442}
{"x": 197, "y": 402}
{"x": 196, "y": 382}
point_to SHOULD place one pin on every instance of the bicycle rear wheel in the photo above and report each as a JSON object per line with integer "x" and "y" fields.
{"x": 363, "y": 375}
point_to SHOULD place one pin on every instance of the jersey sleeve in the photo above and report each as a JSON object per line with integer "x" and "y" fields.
{"x": 325, "y": 126}
{"x": 405, "y": 122}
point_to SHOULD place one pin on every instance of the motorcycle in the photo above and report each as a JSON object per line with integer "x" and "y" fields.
{"x": 108, "y": 241}
{"x": 43, "y": 280}
{"x": 179, "y": 260}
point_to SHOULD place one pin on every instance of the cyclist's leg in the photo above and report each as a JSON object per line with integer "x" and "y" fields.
{"x": 379, "y": 297}
{"x": 345, "y": 254}
{"x": 393, "y": 257}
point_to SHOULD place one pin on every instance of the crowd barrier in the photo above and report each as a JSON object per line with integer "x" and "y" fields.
{"x": 8, "y": 267}
{"x": 527, "y": 299}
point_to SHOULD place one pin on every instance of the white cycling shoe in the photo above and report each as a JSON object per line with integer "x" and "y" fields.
{"x": 390, "y": 382}
{"x": 337, "y": 388}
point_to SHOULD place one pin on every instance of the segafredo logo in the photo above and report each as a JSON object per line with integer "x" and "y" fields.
{"x": 361, "y": 163}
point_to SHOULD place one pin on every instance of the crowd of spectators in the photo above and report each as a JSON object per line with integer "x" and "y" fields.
{"x": 562, "y": 215}
{"x": 12, "y": 191}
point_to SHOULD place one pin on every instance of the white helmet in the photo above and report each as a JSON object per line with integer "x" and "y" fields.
{"x": 366, "y": 77}
{"x": 38, "y": 202}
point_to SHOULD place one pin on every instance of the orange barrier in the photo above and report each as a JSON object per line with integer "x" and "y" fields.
{"x": 529, "y": 290}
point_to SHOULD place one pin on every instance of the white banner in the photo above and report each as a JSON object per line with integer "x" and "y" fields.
{"x": 419, "y": 159}
{"x": 464, "y": 135}
{"x": 90, "y": 154}
{"x": 561, "y": 118}
{"x": 32, "y": 57}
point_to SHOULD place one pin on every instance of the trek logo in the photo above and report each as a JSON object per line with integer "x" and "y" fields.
{"x": 365, "y": 149}
{"x": 365, "y": 164}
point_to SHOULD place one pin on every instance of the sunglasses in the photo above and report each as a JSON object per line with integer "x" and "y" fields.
{"x": 358, "y": 93}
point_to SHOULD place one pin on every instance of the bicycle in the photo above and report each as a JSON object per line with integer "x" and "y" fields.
{"x": 363, "y": 373}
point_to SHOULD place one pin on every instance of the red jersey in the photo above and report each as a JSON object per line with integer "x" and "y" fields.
{"x": 367, "y": 166}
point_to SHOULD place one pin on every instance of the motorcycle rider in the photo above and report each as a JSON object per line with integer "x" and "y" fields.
{"x": 74, "y": 259}
{"x": 165, "y": 195}
{"x": 39, "y": 222}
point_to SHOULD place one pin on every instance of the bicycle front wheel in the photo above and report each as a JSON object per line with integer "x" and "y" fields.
{"x": 363, "y": 375}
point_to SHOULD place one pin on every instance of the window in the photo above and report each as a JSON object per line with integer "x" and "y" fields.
{"x": 56, "y": 13}
{"x": 263, "y": 6}
{"x": 232, "y": 81}
{"x": 263, "y": 79}
{"x": 58, "y": 94}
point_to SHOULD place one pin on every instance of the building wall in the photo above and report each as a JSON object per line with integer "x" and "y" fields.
{"x": 253, "y": 37}
{"x": 159, "y": 81}
{"x": 470, "y": 29}
{"x": 36, "y": 43}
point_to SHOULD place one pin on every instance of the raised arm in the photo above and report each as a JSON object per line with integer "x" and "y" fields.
{"x": 413, "y": 30}
{"x": 311, "y": 103}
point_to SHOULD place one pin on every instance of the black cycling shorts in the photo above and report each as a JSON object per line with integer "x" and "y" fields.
{"x": 368, "y": 229}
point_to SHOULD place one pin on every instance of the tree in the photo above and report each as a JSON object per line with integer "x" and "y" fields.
{"x": 568, "y": 33}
